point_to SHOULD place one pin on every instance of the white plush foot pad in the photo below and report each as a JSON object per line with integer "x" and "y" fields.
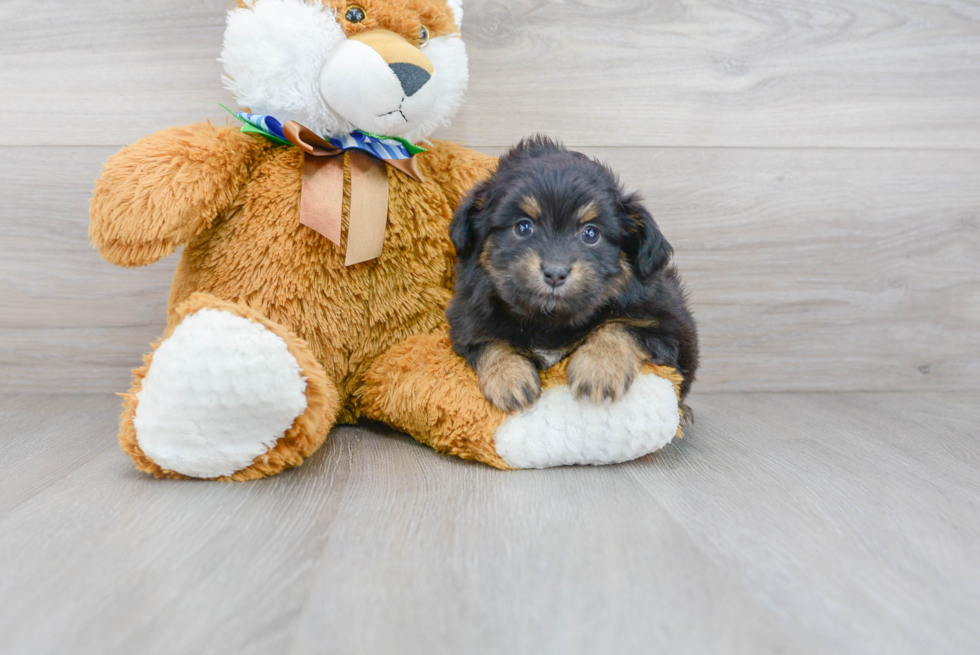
{"x": 221, "y": 391}
{"x": 559, "y": 430}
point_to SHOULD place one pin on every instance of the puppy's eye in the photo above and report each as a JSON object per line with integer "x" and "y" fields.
{"x": 591, "y": 235}
{"x": 355, "y": 14}
{"x": 524, "y": 228}
{"x": 423, "y": 37}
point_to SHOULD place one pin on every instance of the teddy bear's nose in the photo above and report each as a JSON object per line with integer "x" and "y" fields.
{"x": 412, "y": 77}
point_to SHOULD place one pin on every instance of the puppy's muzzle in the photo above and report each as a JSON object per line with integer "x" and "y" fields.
{"x": 409, "y": 64}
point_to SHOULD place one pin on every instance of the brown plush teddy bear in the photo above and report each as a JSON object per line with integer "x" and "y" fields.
{"x": 317, "y": 263}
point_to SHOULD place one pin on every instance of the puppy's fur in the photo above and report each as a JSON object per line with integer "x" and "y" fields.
{"x": 555, "y": 259}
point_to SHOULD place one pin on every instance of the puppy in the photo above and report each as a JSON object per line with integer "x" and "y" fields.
{"x": 556, "y": 260}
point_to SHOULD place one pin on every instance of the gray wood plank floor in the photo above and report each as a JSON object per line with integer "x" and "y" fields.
{"x": 792, "y": 523}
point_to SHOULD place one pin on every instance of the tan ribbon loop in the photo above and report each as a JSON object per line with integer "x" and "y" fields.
{"x": 369, "y": 203}
{"x": 309, "y": 141}
{"x": 321, "y": 205}
{"x": 323, "y": 183}
{"x": 409, "y": 167}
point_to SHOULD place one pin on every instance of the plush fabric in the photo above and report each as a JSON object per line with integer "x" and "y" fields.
{"x": 289, "y": 58}
{"x": 559, "y": 430}
{"x": 271, "y": 339}
{"x": 308, "y": 430}
{"x": 222, "y": 391}
{"x": 423, "y": 388}
{"x": 251, "y": 246}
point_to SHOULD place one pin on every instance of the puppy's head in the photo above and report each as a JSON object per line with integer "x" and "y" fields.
{"x": 555, "y": 233}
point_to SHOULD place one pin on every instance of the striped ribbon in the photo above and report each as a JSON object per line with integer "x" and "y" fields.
{"x": 321, "y": 206}
{"x": 382, "y": 147}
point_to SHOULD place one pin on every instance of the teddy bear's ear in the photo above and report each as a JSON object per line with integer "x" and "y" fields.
{"x": 457, "y": 7}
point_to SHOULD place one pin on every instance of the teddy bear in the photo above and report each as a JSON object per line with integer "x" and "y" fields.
{"x": 317, "y": 265}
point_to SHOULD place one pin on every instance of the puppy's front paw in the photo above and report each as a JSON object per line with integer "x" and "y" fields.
{"x": 598, "y": 379}
{"x": 507, "y": 379}
{"x": 605, "y": 366}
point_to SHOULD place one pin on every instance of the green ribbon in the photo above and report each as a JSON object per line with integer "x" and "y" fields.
{"x": 248, "y": 128}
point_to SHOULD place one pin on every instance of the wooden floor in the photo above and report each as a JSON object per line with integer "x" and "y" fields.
{"x": 793, "y": 523}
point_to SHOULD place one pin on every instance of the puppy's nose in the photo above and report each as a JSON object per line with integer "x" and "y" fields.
{"x": 412, "y": 77}
{"x": 555, "y": 275}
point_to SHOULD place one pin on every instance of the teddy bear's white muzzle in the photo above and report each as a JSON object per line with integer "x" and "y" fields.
{"x": 373, "y": 95}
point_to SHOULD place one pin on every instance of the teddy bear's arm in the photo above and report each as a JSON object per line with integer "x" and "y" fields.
{"x": 166, "y": 188}
{"x": 457, "y": 169}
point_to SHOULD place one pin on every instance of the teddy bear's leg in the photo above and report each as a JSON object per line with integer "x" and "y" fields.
{"x": 228, "y": 394}
{"x": 423, "y": 388}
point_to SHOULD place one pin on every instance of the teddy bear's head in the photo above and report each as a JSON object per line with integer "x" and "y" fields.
{"x": 391, "y": 67}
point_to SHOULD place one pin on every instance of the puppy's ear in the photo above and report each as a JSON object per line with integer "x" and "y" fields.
{"x": 645, "y": 246}
{"x": 463, "y": 231}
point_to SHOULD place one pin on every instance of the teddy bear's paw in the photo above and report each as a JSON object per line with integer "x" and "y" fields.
{"x": 220, "y": 392}
{"x": 560, "y": 430}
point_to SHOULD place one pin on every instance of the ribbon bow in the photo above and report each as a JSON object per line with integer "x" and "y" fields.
{"x": 321, "y": 206}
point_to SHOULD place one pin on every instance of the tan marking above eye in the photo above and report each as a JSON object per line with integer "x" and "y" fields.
{"x": 587, "y": 213}
{"x": 530, "y": 206}
{"x": 637, "y": 322}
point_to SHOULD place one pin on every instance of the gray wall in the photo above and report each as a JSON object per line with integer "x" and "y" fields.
{"x": 815, "y": 164}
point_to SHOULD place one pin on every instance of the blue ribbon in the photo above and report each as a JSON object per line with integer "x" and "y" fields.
{"x": 381, "y": 147}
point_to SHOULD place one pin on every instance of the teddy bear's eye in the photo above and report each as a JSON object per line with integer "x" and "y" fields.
{"x": 423, "y": 36}
{"x": 355, "y": 14}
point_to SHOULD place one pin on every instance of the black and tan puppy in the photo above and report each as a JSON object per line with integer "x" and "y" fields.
{"x": 556, "y": 260}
